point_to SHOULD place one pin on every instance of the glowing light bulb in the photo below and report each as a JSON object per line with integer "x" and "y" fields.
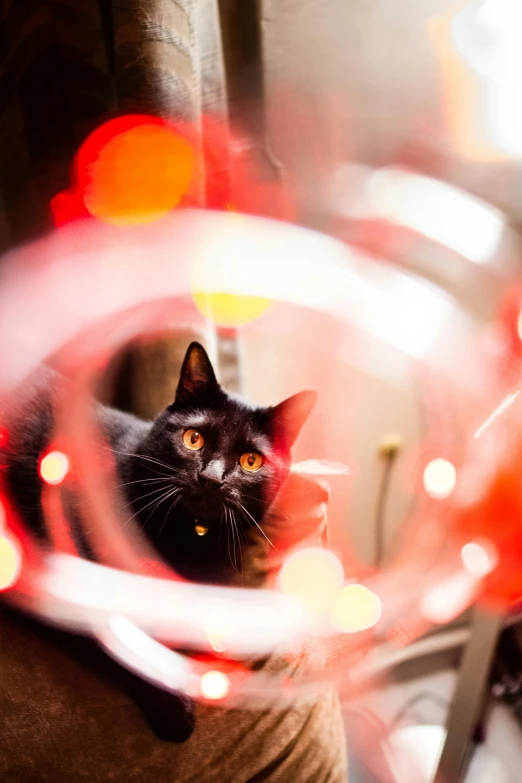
{"x": 314, "y": 576}
{"x": 356, "y": 608}
{"x": 229, "y": 275}
{"x": 54, "y": 467}
{"x": 230, "y": 310}
{"x": 439, "y": 478}
{"x": 214, "y": 685}
{"x": 479, "y": 559}
{"x": 10, "y": 561}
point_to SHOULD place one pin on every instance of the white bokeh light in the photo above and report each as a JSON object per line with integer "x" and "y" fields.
{"x": 478, "y": 558}
{"x": 439, "y": 478}
{"x": 486, "y": 34}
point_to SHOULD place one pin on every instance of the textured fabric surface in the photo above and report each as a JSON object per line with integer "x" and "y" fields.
{"x": 65, "y": 714}
{"x": 64, "y": 719}
{"x": 68, "y": 65}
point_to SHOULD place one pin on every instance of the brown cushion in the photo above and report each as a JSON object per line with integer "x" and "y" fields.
{"x": 65, "y": 714}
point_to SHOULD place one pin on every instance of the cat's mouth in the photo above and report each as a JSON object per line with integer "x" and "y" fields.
{"x": 219, "y": 507}
{"x": 205, "y": 507}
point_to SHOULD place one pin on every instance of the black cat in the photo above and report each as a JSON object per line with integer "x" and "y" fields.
{"x": 195, "y": 479}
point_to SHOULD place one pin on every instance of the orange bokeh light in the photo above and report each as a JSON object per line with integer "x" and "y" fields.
{"x": 54, "y": 467}
{"x": 10, "y": 561}
{"x": 138, "y": 175}
{"x": 215, "y": 685}
{"x": 131, "y": 170}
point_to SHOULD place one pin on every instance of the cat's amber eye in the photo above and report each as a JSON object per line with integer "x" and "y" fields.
{"x": 193, "y": 440}
{"x": 251, "y": 461}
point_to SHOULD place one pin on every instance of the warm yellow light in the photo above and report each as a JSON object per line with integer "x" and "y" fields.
{"x": 230, "y": 310}
{"x": 54, "y": 467}
{"x": 214, "y": 685}
{"x": 356, "y": 608}
{"x": 10, "y": 561}
{"x": 314, "y": 576}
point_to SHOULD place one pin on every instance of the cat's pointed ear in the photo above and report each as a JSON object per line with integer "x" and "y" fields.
{"x": 196, "y": 376}
{"x": 289, "y": 416}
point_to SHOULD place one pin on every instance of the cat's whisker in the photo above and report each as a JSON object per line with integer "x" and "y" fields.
{"x": 239, "y": 525}
{"x": 233, "y": 539}
{"x": 158, "y": 472}
{"x": 155, "y": 500}
{"x": 249, "y": 497}
{"x": 220, "y": 527}
{"x": 234, "y": 563}
{"x": 172, "y": 507}
{"x": 158, "y": 503}
{"x": 145, "y": 481}
{"x": 229, "y": 556}
{"x": 235, "y": 535}
{"x": 154, "y": 491}
{"x": 164, "y": 483}
{"x": 272, "y": 507}
{"x": 146, "y": 458}
{"x": 238, "y": 528}
{"x": 170, "y": 468}
{"x": 162, "y": 500}
{"x": 241, "y": 507}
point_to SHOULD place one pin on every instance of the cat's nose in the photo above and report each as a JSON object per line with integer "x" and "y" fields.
{"x": 213, "y": 472}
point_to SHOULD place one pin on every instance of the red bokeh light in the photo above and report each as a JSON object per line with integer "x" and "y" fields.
{"x": 136, "y": 168}
{"x": 496, "y": 518}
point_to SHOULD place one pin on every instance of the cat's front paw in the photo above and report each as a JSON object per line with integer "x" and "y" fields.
{"x": 171, "y": 716}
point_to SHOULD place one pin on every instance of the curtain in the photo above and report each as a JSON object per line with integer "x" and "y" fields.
{"x": 66, "y": 66}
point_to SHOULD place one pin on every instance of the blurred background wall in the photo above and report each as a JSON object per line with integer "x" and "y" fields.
{"x": 375, "y": 85}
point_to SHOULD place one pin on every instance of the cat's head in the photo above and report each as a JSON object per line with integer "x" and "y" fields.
{"x": 224, "y": 453}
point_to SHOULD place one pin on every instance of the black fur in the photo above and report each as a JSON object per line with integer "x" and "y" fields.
{"x": 209, "y": 485}
{"x": 169, "y": 488}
